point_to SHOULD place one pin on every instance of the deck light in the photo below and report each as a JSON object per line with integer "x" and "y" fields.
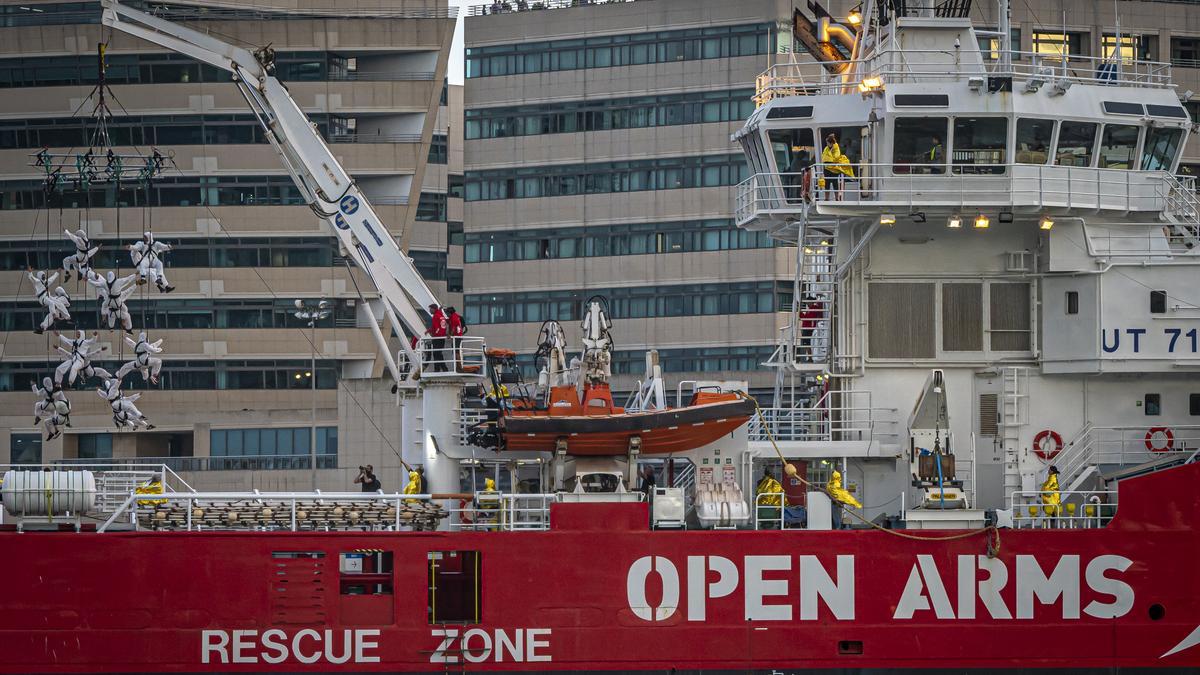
{"x": 917, "y": 216}
{"x": 887, "y": 219}
{"x": 954, "y": 222}
{"x": 855, "y": 17}
{"x": 1006, "y": 216}
{"x": 982, "y": 222}
{"x": 297, "y": 376}
{"x": 870, "y": 84}
{"x": 1046, "y": 223}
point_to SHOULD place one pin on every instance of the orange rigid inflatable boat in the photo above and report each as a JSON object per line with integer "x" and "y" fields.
{"x": 596, "y": 427}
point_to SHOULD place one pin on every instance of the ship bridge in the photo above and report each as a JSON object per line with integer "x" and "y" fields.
{"x": 927, "y": 125}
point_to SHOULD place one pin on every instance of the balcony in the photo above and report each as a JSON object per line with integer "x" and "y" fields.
{"x": 914, "y": 66}
{"x": 763, "y": 201}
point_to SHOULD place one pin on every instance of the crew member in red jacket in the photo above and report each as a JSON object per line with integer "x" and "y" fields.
{"x": 810, "y": 319}
{"x": 439, "y": 326}
{"x": 457, "y": 329}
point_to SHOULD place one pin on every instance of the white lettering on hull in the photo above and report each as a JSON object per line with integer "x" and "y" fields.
{"x": 477, "y": 645}
{"x": 275, "y": 646}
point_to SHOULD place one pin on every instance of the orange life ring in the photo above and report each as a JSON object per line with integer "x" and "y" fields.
{"x": 1166, "y": 432}
{"x": 464, "y": 514}
{"x": 1040, "y": 439}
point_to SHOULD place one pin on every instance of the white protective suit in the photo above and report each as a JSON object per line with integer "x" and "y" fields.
{"x": 144, "y": 359}
{"x": 113, "y": 293}
{"x": 79, "y": 352}
{"x": 147, "y": 258}
{"x": 124, "y": 413}
{"x": 79, "y": 262}
{"x": 52, "y": 409}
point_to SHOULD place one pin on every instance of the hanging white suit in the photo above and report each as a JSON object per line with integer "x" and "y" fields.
{"x": 144, "y": 359}
{"x": 52, "y": 409}
{"x": 112, "y": 294}
{"x": 79, "y": 262}
{"x": 124, "y": 413}
{"x": 146, "y": 255}
{"x": 79, "y": 352}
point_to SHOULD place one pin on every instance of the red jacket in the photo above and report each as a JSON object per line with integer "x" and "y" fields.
{"x": 439, "y": 324}
{"x": 810, "y": 316}
{"x": 456, "y": 324}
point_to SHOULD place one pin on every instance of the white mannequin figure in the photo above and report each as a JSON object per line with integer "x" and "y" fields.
{"x": 124, "y": 413}
{"x": 112, "y": 293}
{"x": 79, "y": 352}
{"x": 81, "y": 261}
{"x": 144, "y": 359}
{"x": 146, "y": 255}
{"x": 56, "y": 305}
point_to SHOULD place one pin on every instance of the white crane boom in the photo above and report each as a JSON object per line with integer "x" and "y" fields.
{"x": 324, "y": 183}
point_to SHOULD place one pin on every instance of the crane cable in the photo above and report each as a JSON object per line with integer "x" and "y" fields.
{"x": 993, "y": 540}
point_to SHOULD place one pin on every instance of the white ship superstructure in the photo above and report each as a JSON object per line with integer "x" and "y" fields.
{"x": 995, "y": 263}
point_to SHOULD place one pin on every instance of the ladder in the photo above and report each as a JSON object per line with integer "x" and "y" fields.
{"x": 1181, "y": 208}
{"x": 1014, "y": 414}
{"x": 806, "y": 344}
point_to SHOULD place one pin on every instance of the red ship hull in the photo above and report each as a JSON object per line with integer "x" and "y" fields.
{"x": 600, "y": 592}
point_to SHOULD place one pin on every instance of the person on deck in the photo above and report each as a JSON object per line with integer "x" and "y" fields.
{"x": 439, "y": 326}
{"x": 768, "y": 499}
{"x": 455, "y": 328}
{"x": 1051, "y": 497}
{"x": 837, "y": 166}
{"x": 366, "y": 478}
{"x": 840, "y": 496}
{"x": 936, "y": 154}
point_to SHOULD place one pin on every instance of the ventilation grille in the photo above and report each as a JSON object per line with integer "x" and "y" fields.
{"x": 988, "y": 416}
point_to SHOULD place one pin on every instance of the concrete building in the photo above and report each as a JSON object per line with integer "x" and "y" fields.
{"x": 598, "y": 161}
{"x": 236, "y": 401}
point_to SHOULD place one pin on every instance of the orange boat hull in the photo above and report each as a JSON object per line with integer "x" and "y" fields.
{"x": 661, "y": 432}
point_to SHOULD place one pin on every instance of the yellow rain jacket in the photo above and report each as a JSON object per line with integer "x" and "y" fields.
{"x": 414, "y": 486}
{"x": 154, "y": 487}
{"x": 835, "y": 161}
{"x": 769, "y": 492}
{"x": 837, "y": 493}
{"x": 1051, "y": 498}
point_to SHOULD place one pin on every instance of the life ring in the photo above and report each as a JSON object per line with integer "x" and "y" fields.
{"x": 1166, "y": 432}
{"x": 465, "y": 514}
{"x": 1040, "y": 440}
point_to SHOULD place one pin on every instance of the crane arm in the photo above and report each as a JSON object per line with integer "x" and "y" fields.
{"x": 326, "y": 186}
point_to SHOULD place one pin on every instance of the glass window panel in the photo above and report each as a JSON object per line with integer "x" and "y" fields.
{"x": 1162, "y": 145}
{"x": 919, "y": 145}
{"x": 1033, "y": 140}
{"x": 1118, "y": 145}
{"x": 1076, "y": 143}
{"x": 980, "y": 143}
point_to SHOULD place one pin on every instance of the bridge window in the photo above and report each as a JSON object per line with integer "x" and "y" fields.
{"x": 1162, "y": 145}
{"x": 850, "y": 140}
{"x": 793, "y": 149}
{"x": 1076, "y": 143}
{"x": 1194, "y": 405}
{"x": 920, "y": 141}
{"x": 1033, "y": 140}
{"x": 980, "y": 142}
{"x": 1072, "y": 302}
{"x": 1118, "y": 146}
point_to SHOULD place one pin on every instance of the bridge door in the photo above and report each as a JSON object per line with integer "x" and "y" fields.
{"x": 989, "y": 455}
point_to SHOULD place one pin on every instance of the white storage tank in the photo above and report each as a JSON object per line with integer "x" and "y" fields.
{"x": 41, "y": 493}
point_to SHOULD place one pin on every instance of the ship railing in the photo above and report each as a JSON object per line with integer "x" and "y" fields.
{"x": 492, "y": 512}
{"x": 1122, "y": 446}
{"x": 917, "y": 66}
{"x": 115, "y": 480}
{"x": 850, "y": 418}
{"x": 467, "y": 418}
{"x": 449, "y": 357}
{"x": 1065, "y": 510}
{"x": 281, "y": 511}
{"x": 965, "y": 187}
{"x": 768, "y": 514}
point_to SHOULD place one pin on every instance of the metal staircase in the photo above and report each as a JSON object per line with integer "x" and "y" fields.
{"x": 1181, "y": 207}
{"x": 807, "y": 342}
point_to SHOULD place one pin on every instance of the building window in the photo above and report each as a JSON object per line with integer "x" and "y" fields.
{"x": 1132, "y": 47}
{"x": 620, "y": 50}
{"x": 25, "y": 448}
{"x": 1076, "y": 143}
{"x": 1158, "y": 302}
{"x": 606, "y": 177}
{"x": 1194, "y": 404}
{"x": 1072, "y": 302}
{"x": 439, "y": 150}
{"x": 990, "y": 46}
{"x": 1058, "y": 44}
{"x": 184, "y": 314}
{"x": 95, "y": 446}
{"x": 1153, "y": 404}
{"x": 1185, "y": 51}
{"x": 920, "y": 141}
{"x": 432, "y": 207}
{"x": 271, "y": 448}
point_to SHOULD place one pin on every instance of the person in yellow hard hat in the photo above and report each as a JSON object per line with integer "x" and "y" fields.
{"x": 840, "y": 496}
{"x": 769, "y": 494}
{"x": 1051, "y": 497}
{"x": 487, "y": 504}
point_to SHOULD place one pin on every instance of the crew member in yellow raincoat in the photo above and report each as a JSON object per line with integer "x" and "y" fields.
{"x": 837, "y": 166}
{"x": 487, "y": 505}
{"x": 414, "y": 486}
{"x": 1051, "y": 497}
{"x": 768, "y": 495}
{"x": 840, "y": 496}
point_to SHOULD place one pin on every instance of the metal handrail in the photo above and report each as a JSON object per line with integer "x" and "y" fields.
{"x": 893, "y": 66}
{"x": 462, "y": 356}
{"x": 221, "y": 462}
{"x": 514, "y": 6}
{"x": 141, "y": 465}
{"x": 1076, "y": 508}
{"x": 374, "y": 138}
{"x": 772, "y": 523}
{"x": 956, "y": 186}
